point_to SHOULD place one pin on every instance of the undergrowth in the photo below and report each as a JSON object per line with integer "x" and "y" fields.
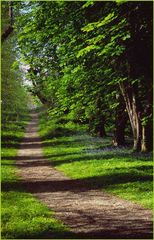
{"x": 119, "y": 171}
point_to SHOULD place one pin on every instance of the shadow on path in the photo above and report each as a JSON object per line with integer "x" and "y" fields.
{"x": 89, "y": 212}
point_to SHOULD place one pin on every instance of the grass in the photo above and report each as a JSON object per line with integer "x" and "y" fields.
{"x": 71, "y": 150}
{"x": 22, "y": 216}
{"x": 25, "y": 217}
{"x": 93, "y": 160}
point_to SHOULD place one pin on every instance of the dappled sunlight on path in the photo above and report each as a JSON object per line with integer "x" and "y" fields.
{"x": 89, "y": 212}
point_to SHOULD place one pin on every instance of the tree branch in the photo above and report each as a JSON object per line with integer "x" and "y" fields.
{"x": 9, "y": 29}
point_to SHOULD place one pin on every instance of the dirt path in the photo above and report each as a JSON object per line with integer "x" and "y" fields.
{"x": 89, "y": 212}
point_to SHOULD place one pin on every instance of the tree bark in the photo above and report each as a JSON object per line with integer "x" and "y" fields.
{"x": 139, "y": 62}
{"x": 100, "y": 130}
{"x": 6, "y": 34}
{"x": 38, "y": 93}
{"x": 120, "y": 123}
{"x": 147, "y": 138}
{"x": 9, "y": 29}
{"x": 97, "y": 125}
{"x": 100, "y": 118}
{"x": 133, "y": 113}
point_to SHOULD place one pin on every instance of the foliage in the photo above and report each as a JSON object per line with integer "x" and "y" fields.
{"x": 14, "y": 96}
{"x": 81, "y": 56}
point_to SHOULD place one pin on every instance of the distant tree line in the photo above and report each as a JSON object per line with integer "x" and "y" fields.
{"x": 13, "y": 94}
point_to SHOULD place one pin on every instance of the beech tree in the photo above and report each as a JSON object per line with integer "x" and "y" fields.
{"x": 91, "y": 62}
{"x": 131, "y": 26}
{"x": 7, "y": 20}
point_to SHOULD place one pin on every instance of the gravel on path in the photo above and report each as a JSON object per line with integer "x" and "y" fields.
{"x": 89, "y": 212}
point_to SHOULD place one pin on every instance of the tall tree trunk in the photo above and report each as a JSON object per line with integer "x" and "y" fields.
{"x": 142, "y": 132}
{"x": 97, "y": 125}
{"x": 9, "y": 29}
{"x": 133, "y": 113}
{"x": 147, "y": 138}
{"x": 147, "y": 128}
{"x": 120, "y": 123}
{"x": 139, "y": 62}
{"x": 37, "y": 92}
{"x": 100, "y": 128}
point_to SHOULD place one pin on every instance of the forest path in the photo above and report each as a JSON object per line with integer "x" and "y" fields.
{"x": 90, "y": 213}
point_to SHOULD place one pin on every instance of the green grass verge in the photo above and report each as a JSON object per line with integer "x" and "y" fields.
{"x": 22, "y": 216}
{"x": 93, "y": 160}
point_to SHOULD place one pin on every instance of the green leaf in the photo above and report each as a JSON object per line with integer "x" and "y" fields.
{"x": 86, "y": 50}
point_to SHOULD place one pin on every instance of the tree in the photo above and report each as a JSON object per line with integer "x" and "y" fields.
{"x": 13, "y": 93}
{"x": 7, "y": 16}
{"x": 137, "y": 89}
{"x": 85, "y": 63}
{"x": 128, "y": 29}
